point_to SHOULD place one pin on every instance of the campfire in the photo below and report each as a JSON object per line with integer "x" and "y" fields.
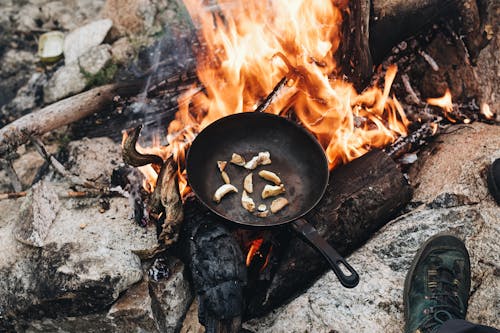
{"x": 291, "y": 144}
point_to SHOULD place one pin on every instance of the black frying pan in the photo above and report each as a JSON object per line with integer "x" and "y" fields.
{"x": 296, "y": 157}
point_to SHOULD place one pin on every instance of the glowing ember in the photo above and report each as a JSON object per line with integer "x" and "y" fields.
{"x": 254, "y": 250}
{"x": 250, "y": 45}
{"x": 444, "y": 103}
{"x": 254, "y": 247}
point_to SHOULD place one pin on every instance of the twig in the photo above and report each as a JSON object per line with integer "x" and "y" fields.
{"x": 11, "y": 173}
{"x": 429, "y": 60}
{"x": 12, "y": 195}
{"x": 409, "y": 90}
{"x": 272, "y": 95}
{"x": 413, "y": 141}
{"x": 60, "y": 168}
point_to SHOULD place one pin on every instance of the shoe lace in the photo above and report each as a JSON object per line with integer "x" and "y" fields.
{"x": 445, "y": 303}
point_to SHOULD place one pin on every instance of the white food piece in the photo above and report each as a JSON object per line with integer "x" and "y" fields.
{"x": 264, "y": 158}
{"x": 248, "y": 183}
{"x": 272, "y": 190}
{"x": 262, "y": 208}
{"x": 222, "y": 191}
{"x": 225, "y": 177}
{"x": 237, "y": 159}
{"x": 221, "y": 165}
{"x": 278, "y": 204}
{"x": 247, "y": 202}
{"x": 271, "y": 176}
{"x": 262, "y": 214}
{"x": 252, "y": 164}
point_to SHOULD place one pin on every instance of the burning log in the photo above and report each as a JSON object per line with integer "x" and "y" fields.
{"x": 360, "y": 198}
{"x": 62, "y": 113}
{"x": 217, "y": 267}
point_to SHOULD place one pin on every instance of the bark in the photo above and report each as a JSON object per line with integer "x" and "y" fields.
{"x": 62, "y": 113}
{"x": 395, "y": 20}
{"x": 360, "y": 198}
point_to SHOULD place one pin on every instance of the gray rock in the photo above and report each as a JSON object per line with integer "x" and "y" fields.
{"x": 66, "y": 81}
{"x": 86, "y": 261}
{"x": 172, "y": 297}
{"x": 95, "y": 59}
{"x": 73, "y": 78}
{"x": 33, "y": 15}
{"x": 133, "y": 311}
{"x": 103, "y": 152}
{"x": 36, "y": 215}
{"x": 82, "y": 39}
{"x": 452, "y": 187}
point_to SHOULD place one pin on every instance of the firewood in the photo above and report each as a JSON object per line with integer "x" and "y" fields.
{"x": 62, "y": 113}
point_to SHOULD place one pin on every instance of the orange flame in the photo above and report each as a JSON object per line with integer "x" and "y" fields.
{"x": 254, "y": 247}
{"x": 250, "y": 45}
{"x": 445, "y": 103}
{"x": 486, "y": 111}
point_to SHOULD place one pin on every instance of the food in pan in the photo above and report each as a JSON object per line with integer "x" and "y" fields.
{"x": 247, "y": 202}
{"x": 248, "y": 183}
{"x": 262, "y": 208}
{"x": 271, "y": 176}
{"x": 278, "y": 204}
{"x": 237, "y": 159}
{"x": 272, "y": 190}
{"x": 223, "y": 190}
{"x": 263, "y": 158}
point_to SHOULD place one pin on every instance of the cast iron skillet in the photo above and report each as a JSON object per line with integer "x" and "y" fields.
{"x": 296, "y": 157}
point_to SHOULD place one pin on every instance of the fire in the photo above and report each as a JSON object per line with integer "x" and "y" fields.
{"x": 248, "y": 46}
{"x": 486, "y": 111}
{"x": 444, "y": 103}
{"x": 254, "y": 250}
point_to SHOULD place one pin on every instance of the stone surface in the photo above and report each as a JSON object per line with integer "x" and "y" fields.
{"x": 122, "y": 51}
{"x": 75, "y": 76}
{"x": 172, "y": 297}
{"x": 451, "y": 196}
{"x": 94, "y": 60}
{"x": 103, "y": 152}
{"x": 66, "y": 81}
{"x": 82, "y": 39}
{"x": 86, "y": 261}
{"x": 36, "y": 214}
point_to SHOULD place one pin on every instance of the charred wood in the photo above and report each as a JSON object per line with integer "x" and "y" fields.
{"x": 360, "y": 198}
{"x": 356, "y": 59}
{"x": 217, "y": 267}
{"x": 395, "y": 20}
{"x": 132, "y": 157}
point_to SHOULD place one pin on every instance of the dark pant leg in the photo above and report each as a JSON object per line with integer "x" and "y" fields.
{"x": 463, "y": 326}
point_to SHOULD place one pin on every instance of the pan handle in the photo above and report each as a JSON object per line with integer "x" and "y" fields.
{"x": 334, "y": 258}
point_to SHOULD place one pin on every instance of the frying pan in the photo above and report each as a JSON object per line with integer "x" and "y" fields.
{"x": 297, "y": 158}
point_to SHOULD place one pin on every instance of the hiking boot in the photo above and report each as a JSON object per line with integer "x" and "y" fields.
{"x": 437, "y": 284}
{"x": 493, "y": 179}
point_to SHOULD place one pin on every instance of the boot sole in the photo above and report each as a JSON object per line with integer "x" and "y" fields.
{"x": 423, "y": 251}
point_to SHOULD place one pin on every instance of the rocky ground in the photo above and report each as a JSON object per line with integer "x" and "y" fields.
{"x": 80, "y": 270}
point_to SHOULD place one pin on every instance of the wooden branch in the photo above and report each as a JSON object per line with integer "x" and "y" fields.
{"x": 360, "y": 198}
{"x": 62, "y": 113}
